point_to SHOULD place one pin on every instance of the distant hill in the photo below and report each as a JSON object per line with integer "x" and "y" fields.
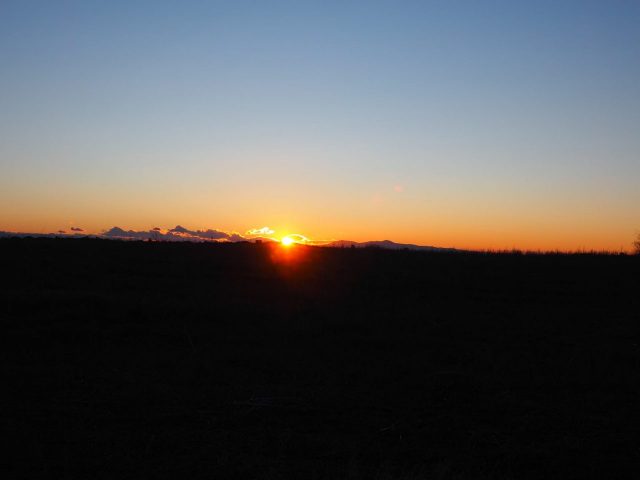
{"x": 387, "y": 244}
{"x": 4, "y": 234}
{"x": 261, "y": 240}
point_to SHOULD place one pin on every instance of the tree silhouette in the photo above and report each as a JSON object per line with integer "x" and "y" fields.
{"x": 636, "y": 245}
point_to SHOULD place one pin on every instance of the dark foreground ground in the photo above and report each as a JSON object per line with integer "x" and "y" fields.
{"x": 156, "y": 360}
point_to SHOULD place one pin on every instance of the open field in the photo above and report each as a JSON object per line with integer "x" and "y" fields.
{"x": 165, "y": 360}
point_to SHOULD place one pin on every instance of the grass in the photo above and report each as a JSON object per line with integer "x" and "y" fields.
{"x": 160, "y": 360}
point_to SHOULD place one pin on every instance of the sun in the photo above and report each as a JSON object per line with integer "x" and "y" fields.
{"x": 287, "y": 241}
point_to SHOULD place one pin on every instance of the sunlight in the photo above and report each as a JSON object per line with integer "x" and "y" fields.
{"x": 287, "y": 241}
{"x": 294, "y": 239}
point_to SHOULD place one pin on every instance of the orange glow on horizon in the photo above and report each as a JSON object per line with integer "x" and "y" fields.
{"x": 492, "y": 231}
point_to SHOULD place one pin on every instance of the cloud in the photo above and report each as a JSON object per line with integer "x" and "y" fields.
{"x": 61, "y": 231}
{"x": 261, "y": 231}
{"x": 77, "y": 229}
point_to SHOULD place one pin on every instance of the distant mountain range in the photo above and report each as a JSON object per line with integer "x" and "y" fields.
{"x": 176, "y": 235}
{"x": 386, "y": 244}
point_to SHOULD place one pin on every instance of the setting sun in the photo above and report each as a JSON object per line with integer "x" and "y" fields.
{"x": 287, "y": 241}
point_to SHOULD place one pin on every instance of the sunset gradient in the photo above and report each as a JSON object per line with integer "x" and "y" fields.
{"x": 498, "y": 124}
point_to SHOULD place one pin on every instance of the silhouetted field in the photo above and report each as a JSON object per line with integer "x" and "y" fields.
{"x": 165, "y": 360}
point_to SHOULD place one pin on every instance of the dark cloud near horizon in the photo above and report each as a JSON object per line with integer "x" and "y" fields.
{"x": 77, "y": 229}
{"x": 62, "y": 231}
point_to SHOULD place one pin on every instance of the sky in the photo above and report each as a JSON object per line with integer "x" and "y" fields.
{"x": 468, "y": 124}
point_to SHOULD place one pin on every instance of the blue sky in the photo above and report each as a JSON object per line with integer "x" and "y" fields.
{"x": 488, "y": 124}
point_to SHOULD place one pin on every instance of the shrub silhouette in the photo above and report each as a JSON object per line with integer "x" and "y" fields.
{"x": 636, "y": 245}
